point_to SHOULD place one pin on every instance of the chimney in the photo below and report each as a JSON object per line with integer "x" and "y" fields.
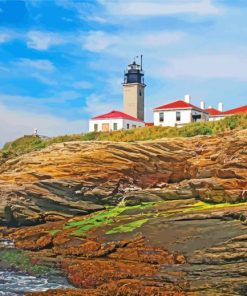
{"x": 202, "y": 105}
{"x": 220, "y": 107}
{"x": 187, "y": 98}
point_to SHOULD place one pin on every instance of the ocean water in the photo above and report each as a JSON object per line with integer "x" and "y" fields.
{"x": 14, "y": 283}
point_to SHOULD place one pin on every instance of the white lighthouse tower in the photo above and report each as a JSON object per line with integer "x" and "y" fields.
{"x": 133, "y": 91}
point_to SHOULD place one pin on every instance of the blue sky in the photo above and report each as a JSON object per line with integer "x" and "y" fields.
{"x": 62, "y": 61}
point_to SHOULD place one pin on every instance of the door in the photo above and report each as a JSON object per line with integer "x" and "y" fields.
{"x": 105, "y": 127}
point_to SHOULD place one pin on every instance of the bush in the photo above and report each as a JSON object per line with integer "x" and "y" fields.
{"x": 31, "y": 143}
{"x": 196, "y": 129}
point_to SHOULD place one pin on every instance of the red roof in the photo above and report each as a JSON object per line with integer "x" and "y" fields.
{"x": 180, "y": 104}
{"x": 116, "y": 115}
{"x": 238, "y": 110}
{"x": 149, "y": 124}
{"x": 213, "y": 112}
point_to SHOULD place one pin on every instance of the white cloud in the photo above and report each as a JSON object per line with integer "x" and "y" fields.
{"x": 96, "y": 104}
{"x": 42, "y": 65}
{"x": 43, "y": 40}
{"x": 159, "y": 39}
{"x": 206, "y": 66}
{"x": 39, "y": 103}
{"x": 5, "y": 37}
{"x": 97, "y": 19}
{"x": 44, "y": 79}
{"x": 97, "y": 41}
{"x": 160, "y": 7}
{"x": 82, "y": 85}
{"x": 17, "y": 123}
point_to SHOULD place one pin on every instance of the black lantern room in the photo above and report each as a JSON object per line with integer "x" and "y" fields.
{"x": 134, "y": 74}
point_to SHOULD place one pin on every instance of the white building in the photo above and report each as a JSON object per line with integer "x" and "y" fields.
{"x": 178, "y": 113}
{"x": 215, "y": 114}
{"x": 113, "y": 121}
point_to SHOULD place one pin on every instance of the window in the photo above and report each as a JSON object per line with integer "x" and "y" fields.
{"x": 133, "y": 126}
{"x": 95, "y": 127}
{"x": 140, "y": 93}
{"x": 178, "y": 116}
{"x": 114, "y": 126}
{"x": 161, "y": 116}
{"x": 128, "y": 125}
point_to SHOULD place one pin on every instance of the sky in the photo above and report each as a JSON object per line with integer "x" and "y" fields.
{"x": 62, "y": 61}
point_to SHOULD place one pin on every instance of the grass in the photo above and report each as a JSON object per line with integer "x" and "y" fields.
{"x": 201, "y": 206}
{"x": 119, "y": 214}
{"x": 32, "y": 143}
{"x": 54, "y": 232}
{"x": 102, "y": 218}
{"x": 128, "y": 227}
{"x": 19, "y": 260}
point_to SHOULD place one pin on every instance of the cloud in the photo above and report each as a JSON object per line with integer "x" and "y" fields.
{"x": 97, "y": 41}
{"x": 97, "y": 19}
{"x": 96, "y": 104}
{"x": 44, "y": 79}
{"x": 17, "y": 123}
{"x": 39, "y": 104}
{"x": 4, "y": 37}
{"x": 82, "y": 84}
{"x": 42, "y": 65}
{"x": 43, "y": 40}
{"x": 159, "y": 39}
{"x": 119, "y": 44}
{"x": 206, "y": 66}
{"x": 159, "y": 7}
{"x": 42, "y": 70}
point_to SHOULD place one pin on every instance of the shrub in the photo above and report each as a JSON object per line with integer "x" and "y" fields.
{"x": 31, "y": 143}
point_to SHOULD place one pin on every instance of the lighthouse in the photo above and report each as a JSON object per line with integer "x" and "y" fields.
{"x": 133, "y": 91}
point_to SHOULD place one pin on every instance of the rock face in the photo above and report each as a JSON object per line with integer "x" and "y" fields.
{"x": 125, "y": 267}
{"x": 77, "y": 178}
{"x": 185, "y": 247}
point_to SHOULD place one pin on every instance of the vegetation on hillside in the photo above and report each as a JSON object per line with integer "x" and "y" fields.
{"x": 123, "y": 219}
{"x": 20, "y": 260}
{"x": 32, "y": 143}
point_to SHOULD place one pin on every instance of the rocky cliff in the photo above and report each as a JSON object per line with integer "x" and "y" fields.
{"x": 77, "y": 178}
{"x": 163, "y": 217}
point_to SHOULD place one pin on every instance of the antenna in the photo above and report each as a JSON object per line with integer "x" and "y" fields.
{"x": 141, "y": 61}
{"x": 135, "y": 57}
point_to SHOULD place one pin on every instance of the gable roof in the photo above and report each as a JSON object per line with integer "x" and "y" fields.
{"x": 180, "y": 104}
{"x": 214, "y": 112}
{"x": 116, "y": 115}
{"x": 238, "y": 110}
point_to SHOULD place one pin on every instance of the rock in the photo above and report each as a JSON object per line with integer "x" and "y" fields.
{"x": 77, "y": 178}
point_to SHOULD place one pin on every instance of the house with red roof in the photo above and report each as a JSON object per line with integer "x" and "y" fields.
{"x": 238, "y": 110}
{"x": 215, "y": 114}
{"x": 179, "y": 113}
{"x": 113, "y": 121}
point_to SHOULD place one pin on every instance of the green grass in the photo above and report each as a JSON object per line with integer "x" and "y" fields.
{"x": 32, "y": 143}
{"x": 201, "y": 206}
{"x": 54, "y": 232}
{"x": 19, "y": 260}
{"x": 129, "y": 227}
{"x": 116, "y": 215}
{"x": 102, "y": 218}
